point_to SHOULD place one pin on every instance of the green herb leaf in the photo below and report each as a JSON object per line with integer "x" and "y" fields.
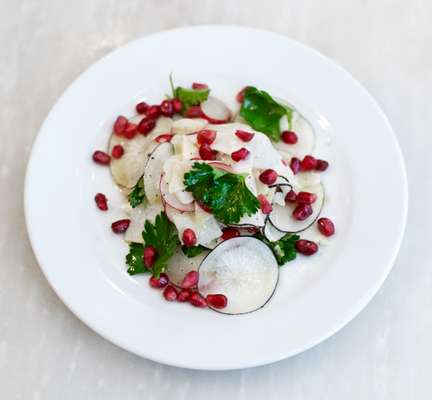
{"x": 191, "y": 97}
{"x": 226, "y": 194}
{"x": 135, "y": 259}
{"x": 137, "y": 195}
{"x": 283, "y": 249}
{"x": 193, "y": 251}
{"x": 263, "y": 113}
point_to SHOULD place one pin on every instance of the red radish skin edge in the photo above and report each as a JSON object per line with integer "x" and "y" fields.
{"x": 170, "y": 200}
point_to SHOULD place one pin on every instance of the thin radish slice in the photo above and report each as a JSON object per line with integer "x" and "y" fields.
{"x": 282, "y": 219}
{"x": 153, "y": 171}
{"x": 215, "y": 111}
{"x": 222, "y": 166}
{"x": 243, "y": 269}
{"x": 188, "y": 125}
{"x": 271, "y": 233}
{"x": 171, "y": 199}
{"x": 138, "y": 216}
{"x": 179, "y": 265}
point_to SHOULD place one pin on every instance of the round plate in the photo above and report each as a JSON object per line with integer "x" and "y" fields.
{"x": 84, "y": 261}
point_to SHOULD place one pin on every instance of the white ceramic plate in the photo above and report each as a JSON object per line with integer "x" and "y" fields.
{"x": 315, "y": 297}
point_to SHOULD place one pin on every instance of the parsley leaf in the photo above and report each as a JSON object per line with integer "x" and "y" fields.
{"x": 135, "y": 259}
{"x": 263, "y": 113}
{"x": 283, "y": 249}
{"x": 226, "y": 194}
{"x": 193, "y": 251}
{"x": 137, "y": 195}
{"x": 191, "y": 97}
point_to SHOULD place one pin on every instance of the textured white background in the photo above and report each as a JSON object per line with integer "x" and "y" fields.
{"x": 47, "y": 353}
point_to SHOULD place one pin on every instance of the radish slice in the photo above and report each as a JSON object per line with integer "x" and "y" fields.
{"x": 138, "y": 216}
{"x": 271, "y": 233}
{"x": 222, "y": 166}
{"x": 171, "y": 199}
{"x": 154, "y": 169}
{"x": 215, "y": 111}
{"x": 179, "y": 265}
{"x": 281, "y": 216}
{"x": 188, "y": 125}
{"x": 243, "y": 269}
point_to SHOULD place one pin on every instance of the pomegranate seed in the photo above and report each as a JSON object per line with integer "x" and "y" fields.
{"x": 101, "y": 201}
{"x": 146, "y": 126}
{"x": 102, "y": 158}
{"x": 265, "y": 205}
{"x": 229, "y": 233}
{"x": 240, "y": 95}
{"x": 206, "y": 152}
{"x": 206, "y": 136}
{"x": 183, "y": 295}
{"x": 291, "y": 197}
{"x": 295, "y": 165}
{"x": 326, "y": 226}
{"x": 197, "y": 300}
{"x": 190, "y": 280}
{"x": 308, "y": 163}
{"x": 306, "y": 247}
{"x": 120, "y": 226}
{"x": 142, "y": 107}
{"x": 321, "y": 165}
{"x": 170, "y": 293}
{"x": 306, "y": 198}
{"x": 289, "y": 137}
{"x": 268, "y": 177}
{"x": 131, "y": 131}
{"x": 149, "y": 256}
{"x": 159, "y": 283}
{"x": 302, "y": 211}
{"x": 217, "y": 300}
{"x": 244, "y": 136}
{"x": 167, "y": 108}
{"x": 177, "y": 105}
{"x": 189, "y": 237}
{"x": 199, "y": 86}
{"x": 154, "y": 112}
{"x": 240, "y": 154}
{"x": 120, "y": 125}
{"x": 117, "y": 151}
{"x": 165, "y": 137}
{"x": 194, "y": 112}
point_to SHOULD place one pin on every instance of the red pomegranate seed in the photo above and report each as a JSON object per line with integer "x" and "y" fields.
{"x": 183, "y": 295}
{"x": 265, "y": 205}
{"x": 189, "y": 237}
{"x": 295, "y": 165}
{"x": 170, "y": 293}
{"x": 217, "y": 300}
{"x": 206, "y": 136}
{"x": 244, "y": 136}
{"x": 102, "y": 158}
{"x": 146, "y": 126}
{"x": 308, "y": 163}
{"x": 120, "y": 125}
{"x": 165, "y": 137}
{"x": 101, "y": 201}
{"x": 240, "y": 95}
{"x": 229, "y": 233}
{"x": 159, "y": 283}
{"x": 199, "y": 86}
{"x": 206, "y": 152}
{"x": 306, "y": 198}
{"x": 177, "y": 105}
{"x": 306, "y": 247}
{"x": 131, "y": 131}
{"x": 289, "y": 137}
{"x": 194, "y": 112}
{"x": 268, "y": 177}
{"x": 302, "y": 211}
{"x": 154, "y": 111}
{"x": 326, "y": 226}
{"x": 190, "y": 280}
{"x": 291, "y": 197}
{"x": 197, "y": 300}
{"x": 167, "y": 108}
{"x": 142, "y": 107}
{"x": 120, "y": 226}
{"x": 117, "y": 151}
{"x": 240, "y": 154}
{"x": 149, "y": 256}
{"x": 321, "y": 165}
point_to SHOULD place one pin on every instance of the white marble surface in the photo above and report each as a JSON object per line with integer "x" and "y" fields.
{"x": 47, "y": 353}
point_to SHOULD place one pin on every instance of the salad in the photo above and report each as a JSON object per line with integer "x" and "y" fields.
{"x": 217, "y": 200}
